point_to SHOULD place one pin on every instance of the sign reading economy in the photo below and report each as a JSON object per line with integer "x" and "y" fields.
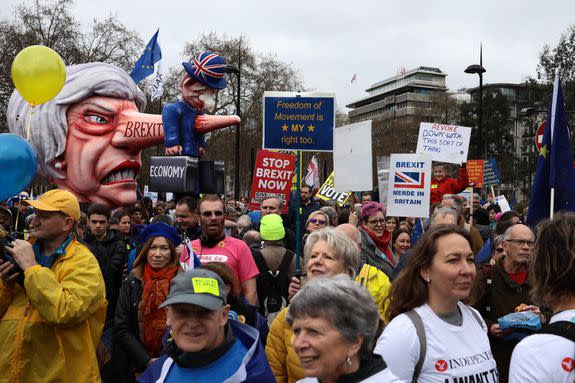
{"x": 446, "y": 143}
{"x": 299, "y": 121}
{"x": 409, "y": 185}
{"x": 273, "y": 173}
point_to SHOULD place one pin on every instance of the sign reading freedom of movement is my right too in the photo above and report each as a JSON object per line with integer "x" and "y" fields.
{"x": 299, "y": 121}
{"x": 409, "y": 185}
{"x": 446, "y": 143}
{"x": 273, "y": 174}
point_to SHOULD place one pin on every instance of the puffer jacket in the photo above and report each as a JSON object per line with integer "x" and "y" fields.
{"x": 283, "y": 359}
{"x": 50, "y": 329}
{"x": 376, "y": 282}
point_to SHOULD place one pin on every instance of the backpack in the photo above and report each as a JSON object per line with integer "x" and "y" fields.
{"x": 420, "y": 330}
{"x": 565, "y": 329}
{"x": 272, "y": 287}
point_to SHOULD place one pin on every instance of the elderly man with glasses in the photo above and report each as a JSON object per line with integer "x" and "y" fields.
{"x": 504, "y": 286}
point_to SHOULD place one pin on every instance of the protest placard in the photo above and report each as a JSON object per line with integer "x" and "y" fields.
{"x": 475, "y": 172}
{"x": 383, "y": 177}
{"x": 409, "y": 185}
{"x": 446, "y": 143}
{"x": 299, "y": 121}
{"x": 503, "y": 204}
{"x": 352, "y": 157}
{"x": 294, "y": 153}
{"x": 328, "y": 191}
{"x": 491, "y": 175}
{"x": 273, "y": 173}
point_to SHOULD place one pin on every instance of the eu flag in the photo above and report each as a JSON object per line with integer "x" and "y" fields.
{"x": 145, "y": 64}
{"x": 554, "y": 166}
{"x": 417, "y": 232}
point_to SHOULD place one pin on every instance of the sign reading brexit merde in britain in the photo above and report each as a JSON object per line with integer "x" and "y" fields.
{"x": 445, "y": 143}
{"x": 299, "y": 121}
{"x": 475, "y": 172}
{"x": 491, "y": 175}
{"x": 273, "y": 173}
{"x": 409, "y": 188}
{"x": 327, "y": 192}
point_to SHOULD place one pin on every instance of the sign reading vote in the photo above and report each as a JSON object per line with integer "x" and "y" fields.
{"x": 299, "y": 121}
{"x": 409, "y": 185}
{"x": 491, "y": 175}
{"x": 446, "y": 143}
{"x": 327, "y": 192}
{"x": 273, "y": 174}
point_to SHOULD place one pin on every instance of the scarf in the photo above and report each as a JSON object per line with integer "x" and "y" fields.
{"x": 382, "y": 243}
{"x": 156, "y": 287}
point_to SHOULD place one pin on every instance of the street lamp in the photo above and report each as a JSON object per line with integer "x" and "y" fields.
{"x": 479, "y": 70}
{"x": 230, "y": 68}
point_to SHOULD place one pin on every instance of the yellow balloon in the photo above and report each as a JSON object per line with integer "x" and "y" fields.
{"x": 38, "y": 73}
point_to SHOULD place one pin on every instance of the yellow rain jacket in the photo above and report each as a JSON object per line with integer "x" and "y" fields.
{"x": 50, "y": 330}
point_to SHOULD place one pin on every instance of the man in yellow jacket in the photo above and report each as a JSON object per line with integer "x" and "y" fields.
{"x": 52, "y": 318}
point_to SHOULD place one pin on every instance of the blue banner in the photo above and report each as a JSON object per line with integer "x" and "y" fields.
{"x": 298, "y": 123}
{"x": 491, "y": 175}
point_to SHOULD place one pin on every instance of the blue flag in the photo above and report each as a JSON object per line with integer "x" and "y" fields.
{"x": 555, "y": 164}
{"x": 417, "y": 232}
{"x": 145, "y": 64}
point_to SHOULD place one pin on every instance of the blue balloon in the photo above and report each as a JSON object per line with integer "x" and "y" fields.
{"x": 17, "y": 165}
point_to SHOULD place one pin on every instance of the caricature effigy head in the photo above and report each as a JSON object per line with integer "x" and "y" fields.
{"x": 204, "y": 77}
{"x": 89, "y": 137}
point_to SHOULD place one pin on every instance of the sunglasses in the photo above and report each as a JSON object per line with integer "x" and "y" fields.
{"x": 208, "y": 214}
{"x": 316, "y": 221}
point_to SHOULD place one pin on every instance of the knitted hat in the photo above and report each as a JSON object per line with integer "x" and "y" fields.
{"x": 255, "y": 216}
{"x": 272, "y": 228}
{"x": 161, "y": 229}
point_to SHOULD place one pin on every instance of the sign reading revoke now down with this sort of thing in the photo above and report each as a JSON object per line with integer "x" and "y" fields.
{"x": 409, "y": 185}
{"x": 273, "y": 174}
{"x": 446, "y": 143}
{"x": 299, "y": 121}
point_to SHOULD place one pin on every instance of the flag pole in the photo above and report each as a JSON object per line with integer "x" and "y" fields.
{"x": 552, "y": 127}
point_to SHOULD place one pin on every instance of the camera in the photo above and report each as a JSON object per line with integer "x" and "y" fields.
{"x": 6, "y": 240}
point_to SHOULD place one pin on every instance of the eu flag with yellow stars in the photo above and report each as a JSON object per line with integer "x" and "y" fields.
{"x": 145, "y": 64}
{"x": 554, "y": 185}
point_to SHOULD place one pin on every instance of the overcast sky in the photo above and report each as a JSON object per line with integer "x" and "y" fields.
{"x": 330, "y": 41}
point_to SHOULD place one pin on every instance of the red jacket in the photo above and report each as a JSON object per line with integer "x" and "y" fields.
{"x": 448, "y": 185}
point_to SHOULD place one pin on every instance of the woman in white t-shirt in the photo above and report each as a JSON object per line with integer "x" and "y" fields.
{"x": 545, "y": 357}
{"x": 432, "y": 336}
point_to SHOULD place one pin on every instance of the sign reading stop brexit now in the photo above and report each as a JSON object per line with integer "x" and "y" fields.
{"x": 273, "y": 175}
{"x": 299, "y": 121}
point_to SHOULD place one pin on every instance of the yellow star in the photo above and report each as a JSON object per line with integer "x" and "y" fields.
{"x": 284, "y": 127}
{"x": 311, "y": 128}
{"x": 544, "y": 151}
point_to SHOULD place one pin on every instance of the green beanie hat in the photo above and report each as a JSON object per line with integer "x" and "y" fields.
{"x": 272, "y": 228}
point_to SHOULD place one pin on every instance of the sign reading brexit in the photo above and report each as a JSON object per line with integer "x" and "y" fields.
{"x": 409, "y": 185}
{"x": 299, "y": 121}
{"x": 273, "y": 174}
{"x": 446, "y": 143}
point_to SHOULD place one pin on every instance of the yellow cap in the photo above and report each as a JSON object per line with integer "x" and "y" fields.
{"x": 57, "y": 200}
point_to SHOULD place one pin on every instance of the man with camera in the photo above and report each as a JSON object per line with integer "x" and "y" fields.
{"x": 51, "y": 322}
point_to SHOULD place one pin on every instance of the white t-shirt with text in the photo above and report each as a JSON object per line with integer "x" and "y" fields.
{"x": 545, "y": 357}
{"x": 454, "y": 353}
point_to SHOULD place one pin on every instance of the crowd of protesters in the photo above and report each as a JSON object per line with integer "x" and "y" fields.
{"x": 201, "y": 289}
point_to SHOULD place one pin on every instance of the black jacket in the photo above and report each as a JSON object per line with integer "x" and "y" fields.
{"x": 127, "y": 340}
{"x": 112, "y": 255}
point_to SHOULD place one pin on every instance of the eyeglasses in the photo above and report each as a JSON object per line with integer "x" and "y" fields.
{"x": 521, "y": 242}
{"x": 208, "y": 214}
{"x": 316, "y": 221}
{"x": 377, "y": 221}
